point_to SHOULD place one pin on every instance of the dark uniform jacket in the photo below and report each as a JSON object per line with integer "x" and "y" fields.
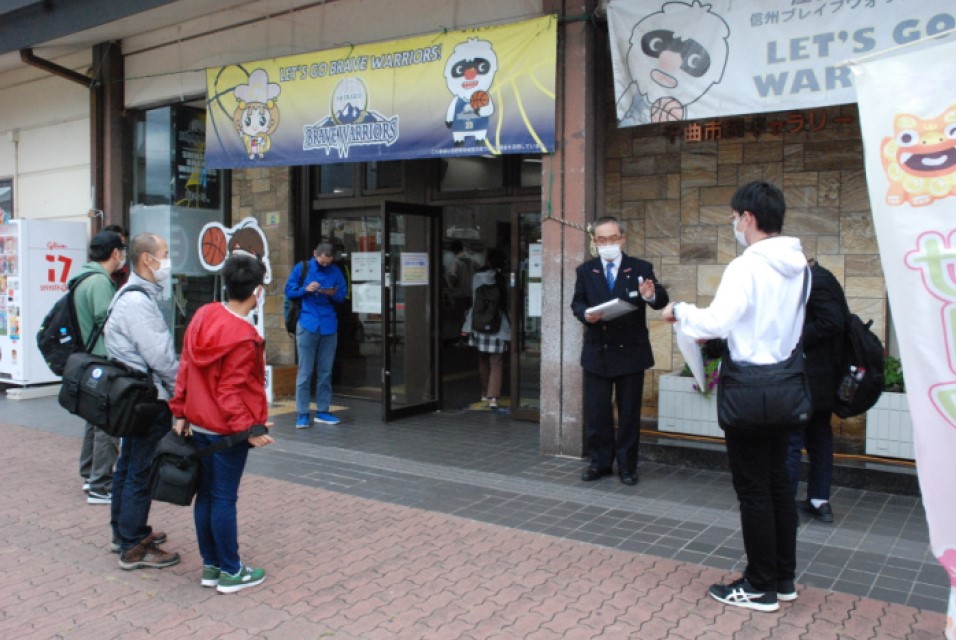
{"x": 823, "y": 337}
{"x": 621, "y": 346}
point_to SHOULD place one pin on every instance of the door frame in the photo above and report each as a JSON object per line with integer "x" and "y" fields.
{"x": 389, "y": 282}
{"x": 516, "y": 298}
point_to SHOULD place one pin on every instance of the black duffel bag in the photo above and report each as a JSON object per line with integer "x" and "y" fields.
{"x": 118, "y": 399}
{"x": 174, "y": 474}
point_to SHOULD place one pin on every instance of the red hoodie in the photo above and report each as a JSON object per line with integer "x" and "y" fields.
{"x": 221, "y": 381}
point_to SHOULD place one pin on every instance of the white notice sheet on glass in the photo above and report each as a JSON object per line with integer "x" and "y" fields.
{"x": 534, "y": 299}
{"x": 692, "y": 356}
{"x": 366, "y": 298}
{"x": 414, "y": 269}
{"x": 366, "y": 265}
{"x": 534, "y": 260}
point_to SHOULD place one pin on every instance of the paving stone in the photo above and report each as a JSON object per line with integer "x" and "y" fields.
{"x": 347, "y": 566}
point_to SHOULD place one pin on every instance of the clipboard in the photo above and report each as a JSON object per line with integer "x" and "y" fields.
{"x": 612, "y": 309}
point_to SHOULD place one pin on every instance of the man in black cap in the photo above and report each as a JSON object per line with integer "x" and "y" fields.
{"x": 92, "y": 298}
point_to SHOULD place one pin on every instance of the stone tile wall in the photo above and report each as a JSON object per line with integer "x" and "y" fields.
{"x": 263, "y": 193}
{"x": 674, "y": 197}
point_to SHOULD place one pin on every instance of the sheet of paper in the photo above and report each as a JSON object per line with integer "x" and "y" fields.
{"x": 366, "y": 298}
{"x": 366, "y": 265}
{"x": 692, "y": 356}
{"x": 534, "y": 260}
{"x": 534, "y": 299}
{"x": 414, "y": 269}
{"x": 612, "y": 309}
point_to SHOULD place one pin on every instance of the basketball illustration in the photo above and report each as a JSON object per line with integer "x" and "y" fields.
{"x": 667, "y": 110}
{"x": 479, "y": 99}
{"x": 213, "y": 245}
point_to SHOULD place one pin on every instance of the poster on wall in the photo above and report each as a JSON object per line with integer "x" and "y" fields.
{"x": 414, "y": 269}
{"x": 474, "y": 92}
{"x": 194, "y": 187}
{"x": 909, "y": 138}
{"x": 687, "y": 60}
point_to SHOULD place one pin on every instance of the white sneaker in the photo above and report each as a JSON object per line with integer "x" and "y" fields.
{"x": 98, "y": 498}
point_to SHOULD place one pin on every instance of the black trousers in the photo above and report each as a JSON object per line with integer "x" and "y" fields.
{"x": 603, "y": 446}
{"x": 768, "y": 513}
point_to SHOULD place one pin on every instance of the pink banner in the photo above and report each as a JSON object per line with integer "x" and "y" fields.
{"x": 908, "y": 118}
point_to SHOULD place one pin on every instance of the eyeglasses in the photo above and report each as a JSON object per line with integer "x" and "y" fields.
{"x": 604, "y": 241}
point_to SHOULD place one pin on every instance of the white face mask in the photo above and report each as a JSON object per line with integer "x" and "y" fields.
{"x": 739, "y": 234}
{"x": 165, "y": 268}
{"x": 610, "y": 252}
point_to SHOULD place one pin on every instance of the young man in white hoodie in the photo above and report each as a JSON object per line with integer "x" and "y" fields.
{"x": 757, "y": 309}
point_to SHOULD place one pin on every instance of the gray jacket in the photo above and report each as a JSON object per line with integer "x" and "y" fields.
{"x": 137, "y": 335}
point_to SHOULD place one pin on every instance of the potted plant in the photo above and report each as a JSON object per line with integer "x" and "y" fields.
{"x": 682, "y": 406}
{"x": 889, "y": 429}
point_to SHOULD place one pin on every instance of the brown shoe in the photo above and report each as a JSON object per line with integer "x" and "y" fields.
{"x": 156, "y": 537}
{"x": 147, "y": 555}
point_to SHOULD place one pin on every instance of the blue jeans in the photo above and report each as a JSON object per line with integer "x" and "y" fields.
{"x": 316, "y": 355}
{"x": 215, "y": 513}
{"x": 129, "y": 509}
{"x": 817, "y": 436}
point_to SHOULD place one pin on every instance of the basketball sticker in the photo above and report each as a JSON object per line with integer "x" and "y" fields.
{"x": 212, "y": 246}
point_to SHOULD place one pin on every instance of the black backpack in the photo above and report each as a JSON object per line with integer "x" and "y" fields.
{"x": 861, "y": 373}
{"x": 59, "y": 336}
{"x": 293, "y": 306}
{"x": 486, "y": 314}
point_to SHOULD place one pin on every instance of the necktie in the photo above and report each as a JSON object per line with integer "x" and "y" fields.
{"x": 610, "y": 276}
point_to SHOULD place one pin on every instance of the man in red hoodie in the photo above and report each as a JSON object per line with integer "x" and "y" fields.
{"x": 220, "y": 390}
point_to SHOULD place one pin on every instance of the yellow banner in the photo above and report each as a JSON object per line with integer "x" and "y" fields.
{"x": 480, "y": 91}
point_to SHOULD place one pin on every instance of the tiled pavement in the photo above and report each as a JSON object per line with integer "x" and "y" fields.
{"x": 371, "y": 530}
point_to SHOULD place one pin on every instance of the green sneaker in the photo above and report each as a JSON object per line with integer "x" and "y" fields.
{"x": 247, "y": 577}
{"x": 210, "y": 575}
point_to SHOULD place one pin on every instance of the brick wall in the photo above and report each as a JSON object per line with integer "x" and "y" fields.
{"x": 264, "y": 194}
{"x": 674, "y": 196}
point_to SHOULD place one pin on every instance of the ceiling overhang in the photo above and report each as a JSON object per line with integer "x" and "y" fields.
{"x": 28, "y": 23}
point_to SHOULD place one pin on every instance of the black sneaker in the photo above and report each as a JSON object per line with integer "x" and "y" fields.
{"x": 823, "y": 513}
{"x": 739, "y": 593}
{"x": 786, "y": 590}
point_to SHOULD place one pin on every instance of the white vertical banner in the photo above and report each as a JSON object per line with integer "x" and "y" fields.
{"x": 908, "y": 119}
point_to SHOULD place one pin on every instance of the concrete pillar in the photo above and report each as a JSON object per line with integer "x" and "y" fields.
{"x": 569, "y": 200}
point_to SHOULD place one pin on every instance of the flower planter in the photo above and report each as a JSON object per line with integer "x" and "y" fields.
{"x": 681, "y": 409}
{"x": 889, "y": 429}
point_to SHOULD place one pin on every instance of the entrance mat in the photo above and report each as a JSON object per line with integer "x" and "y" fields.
{"x": 504, "y": 406}
{"x": 282, "y": 407}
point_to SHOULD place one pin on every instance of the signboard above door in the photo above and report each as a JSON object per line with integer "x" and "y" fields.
{"x": 483, "y": 91}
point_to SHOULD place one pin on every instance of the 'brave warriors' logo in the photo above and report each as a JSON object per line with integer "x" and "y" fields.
{"x": 351, "y": 122}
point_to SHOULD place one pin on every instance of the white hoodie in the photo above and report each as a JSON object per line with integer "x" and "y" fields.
{"x": 755, "y": 304}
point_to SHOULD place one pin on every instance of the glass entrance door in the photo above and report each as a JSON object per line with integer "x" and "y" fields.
{"x": 526, "y": 303}
{"x": 409, "y": 303}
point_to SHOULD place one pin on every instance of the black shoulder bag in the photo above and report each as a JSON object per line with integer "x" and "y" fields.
{"x": 765, "y": 396}
{"x": 174, "y": 474}
{"x": 120, "y": 400}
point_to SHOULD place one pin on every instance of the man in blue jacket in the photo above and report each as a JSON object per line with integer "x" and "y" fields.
{"x": 316, "y": 334}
